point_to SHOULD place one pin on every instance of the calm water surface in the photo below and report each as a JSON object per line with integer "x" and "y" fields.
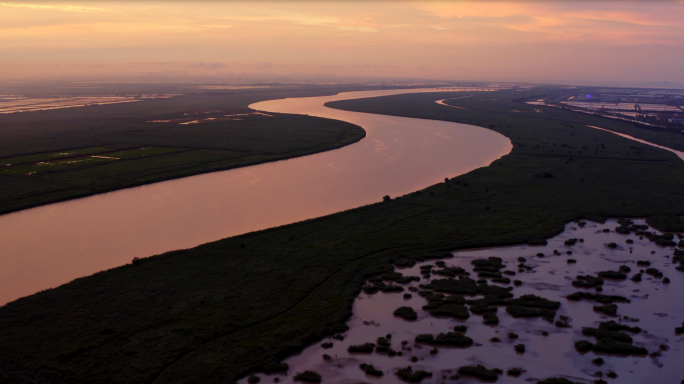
{"x": 654, "y": 306}
{"x": 48, "y": 246}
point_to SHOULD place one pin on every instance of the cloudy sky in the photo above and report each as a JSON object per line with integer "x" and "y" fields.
{"x": 608, "y": 42}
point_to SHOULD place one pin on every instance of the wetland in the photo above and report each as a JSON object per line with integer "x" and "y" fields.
{"x": 530, "y": 346}
{"x": 226, "y": 309}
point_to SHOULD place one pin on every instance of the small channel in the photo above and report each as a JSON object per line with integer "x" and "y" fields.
{"x": 655, "y": 307}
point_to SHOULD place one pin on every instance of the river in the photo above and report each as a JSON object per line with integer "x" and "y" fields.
{"x": 47, "y": 246}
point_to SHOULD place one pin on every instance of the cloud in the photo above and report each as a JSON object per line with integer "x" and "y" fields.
{"x": 59, "y": 7}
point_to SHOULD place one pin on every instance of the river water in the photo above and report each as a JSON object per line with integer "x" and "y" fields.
{"x": 47, "y": 246}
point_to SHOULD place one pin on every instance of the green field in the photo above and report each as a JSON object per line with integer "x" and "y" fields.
{"x": 215, "y": 312}
{"x": 55, "y": 155}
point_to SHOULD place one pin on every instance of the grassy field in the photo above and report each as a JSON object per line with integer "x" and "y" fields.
{"x": 61, "y": 154}
{"x": 217, "y": 311}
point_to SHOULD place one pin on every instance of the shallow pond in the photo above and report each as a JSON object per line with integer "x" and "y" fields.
{"x": 654, "y": 306}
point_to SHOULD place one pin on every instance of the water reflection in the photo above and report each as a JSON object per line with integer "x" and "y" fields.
{"x": 47, "y": 246}
{"x": 654, "y": 304}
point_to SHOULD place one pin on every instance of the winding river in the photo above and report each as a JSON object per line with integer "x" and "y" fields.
{"x": 47, "y": 246}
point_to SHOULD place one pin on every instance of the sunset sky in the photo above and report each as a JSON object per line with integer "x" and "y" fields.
{"x": 609, "y": 42}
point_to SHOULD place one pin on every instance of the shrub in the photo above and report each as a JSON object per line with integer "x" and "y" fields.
{"x": 583, "y": 346}
{"x": 362, "y": 348}
{"x": 617, "y": 275}
{"x": 608, "y": 309}
{"x": 406, "y": 312}
{"x": 478, "y": 371}
{"x": 412, "y": 376}
{"x": 490, "y": 318}
{"x": 370, "y": 370}
{"x": 520, "y": 348}
{"x": 309, "y": 377}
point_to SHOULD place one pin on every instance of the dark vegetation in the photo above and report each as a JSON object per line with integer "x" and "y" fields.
{"x": 406, "y": 312}
{"x": 219, "y": 311}
{"x": 610, "y": 339}
{"x": 449, "y": 338}
{"x": 667, "y": 223}
{"x": 370, "y": 370}
{"x": 308, "y": 377}
{"x": 604, "y": 299}
{"x": 480, "y": 372}
{"x": 47, "y": 156}
{"x": 412, "y": 376}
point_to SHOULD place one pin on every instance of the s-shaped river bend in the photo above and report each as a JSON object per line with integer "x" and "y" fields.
{"x": 47, "y": 246}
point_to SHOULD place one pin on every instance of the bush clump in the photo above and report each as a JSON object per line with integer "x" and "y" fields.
{"x": 362, "y": 348}
{"x": 600, "y": 333}
{"x": 514, "y": 372}
{"x": 454, "y": 310}
{"x": 608, "y": 309}
{"x": 412, "y": 376}
{"x": 370, "y": 370}
{"x": 479, "y": 371}
{"x": 490, "y": 318}
{"x": 466, "y": 286}
{"x": 617, "y": 275}
{"x": 520, "y": 348}
{"x": 584, "y": 345}
{"x": 449, "y": 338}
{"x": 449, "y": 271}
{"x": 603, "y": 299}
{"x": 680, "y": 329}
{"x": 609, "y": 345}
{"x": 461, "y": 328}
{"x": 308, "y": 377}
{"x": 534, "y": 301}
{"x": 406, "y": 312}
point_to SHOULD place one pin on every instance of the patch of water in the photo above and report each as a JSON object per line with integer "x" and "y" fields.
{"x": 654, "y": 307}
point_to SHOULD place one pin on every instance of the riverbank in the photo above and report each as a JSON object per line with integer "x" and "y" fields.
{"x": 58, "y": 155}
{"x": 217, "y": 311}
{"x": 49, "y": 246}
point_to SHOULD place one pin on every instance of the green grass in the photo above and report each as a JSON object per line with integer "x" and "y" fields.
{"x": 53, "y": 155}
{"x": 63, "y": 154}
{"x": 222, "y": 309}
